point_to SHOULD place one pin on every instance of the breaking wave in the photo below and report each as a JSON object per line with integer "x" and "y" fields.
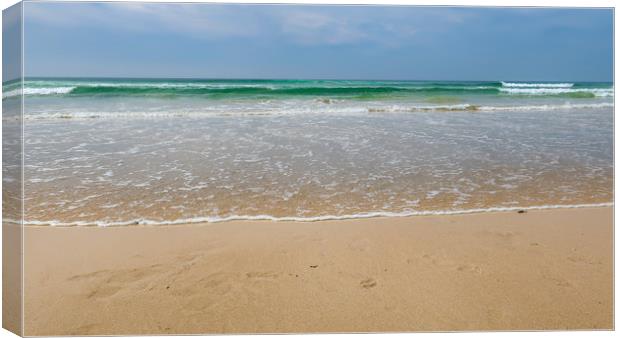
{"x": 225, "y": 89}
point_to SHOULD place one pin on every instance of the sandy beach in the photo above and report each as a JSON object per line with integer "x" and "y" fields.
{"x": 547, "y": 269}
{"x": 256, "y": 168}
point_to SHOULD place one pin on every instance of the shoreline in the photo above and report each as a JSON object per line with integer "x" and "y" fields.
{"x": 252, "y": 218}
{"x": 539, "y": 270}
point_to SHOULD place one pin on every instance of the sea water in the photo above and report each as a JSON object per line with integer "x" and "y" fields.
{"x": 167, "y": 151}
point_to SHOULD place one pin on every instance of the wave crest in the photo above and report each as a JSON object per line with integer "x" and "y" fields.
{"x": 38, "y": 91}
{"x": 537, "y": 85}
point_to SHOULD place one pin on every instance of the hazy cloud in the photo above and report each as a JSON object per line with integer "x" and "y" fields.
{"x": 317, "y": 41}
{"x": 304, "y": 25}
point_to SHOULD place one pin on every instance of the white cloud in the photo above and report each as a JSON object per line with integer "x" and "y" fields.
{"x": 197, "y": 20}
{"x": 308, "y": 27}
{"x": 304, "y": 25}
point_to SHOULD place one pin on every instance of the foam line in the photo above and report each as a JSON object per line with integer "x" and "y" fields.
{"x": 374, "y": 214}
{"x": 598, "y": 92}
{"x": 311, "y": 110}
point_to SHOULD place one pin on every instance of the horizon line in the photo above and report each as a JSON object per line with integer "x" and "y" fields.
{"x": 291, "y": 79}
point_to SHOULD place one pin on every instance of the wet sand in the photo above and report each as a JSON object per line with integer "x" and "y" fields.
{"x": 548, "y": 269}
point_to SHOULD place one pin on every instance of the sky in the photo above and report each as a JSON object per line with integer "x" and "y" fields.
{"x": 11, "y": 43}
{"x": 316, "y": 42}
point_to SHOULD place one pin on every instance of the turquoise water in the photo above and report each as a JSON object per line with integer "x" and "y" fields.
{"x": 114, "y": 152}
{"x": 252, "y": 89}
{"x": 75, "y": 98}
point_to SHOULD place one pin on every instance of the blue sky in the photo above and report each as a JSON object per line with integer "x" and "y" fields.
{"x": 11, "y": 43}
{"x": 342, "y": 42}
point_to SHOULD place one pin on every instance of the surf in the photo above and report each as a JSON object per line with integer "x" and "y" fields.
{"x": 363, "y": 215}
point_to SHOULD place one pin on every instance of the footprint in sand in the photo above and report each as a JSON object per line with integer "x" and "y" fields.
{"x": 441, "y": 260}
{"x": 86, "y": 329}
{"x": 360, "y": 245}
{"x": 505, "y": 234}
{"x": 558, "y": 281}
{"x": 106, "y": 283}
{"x": 562, "y": 283}
{"x": 368, "y": 283}
{"x": 262, "y": 275}
{"x": 470, "y": 268}
{"x": 583, "y": 259}
{"x": 87, "y": 275}
{"x": 218, "y": 283}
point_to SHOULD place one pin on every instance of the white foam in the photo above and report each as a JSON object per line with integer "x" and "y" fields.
{"x": 47, "y": 91}
{"x": 68, "y": 87}
{"x": 600, "y": 92}
{"x": 216, "y": 219}
{"x": 345, "y": 110}
{"x": 12, "y": 93}
{"x": 537, "y": 85}
{"x": 469, "y": 107}
{"x": 38, "y": 91}
{"x": 549, "y": 106}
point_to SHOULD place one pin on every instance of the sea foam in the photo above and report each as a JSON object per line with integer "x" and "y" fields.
{"x": 537, "y": 85}
{"x": 600, "y": 92}
{"x": 374, "y": 214}
{"x": 38, "y": 91}
{"x": 315, "y": 110}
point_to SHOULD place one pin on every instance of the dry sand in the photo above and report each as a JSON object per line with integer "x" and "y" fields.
{"x": 496, "y": 271}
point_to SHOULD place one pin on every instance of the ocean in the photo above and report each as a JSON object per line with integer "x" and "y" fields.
{"x": 166, "y": 151}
